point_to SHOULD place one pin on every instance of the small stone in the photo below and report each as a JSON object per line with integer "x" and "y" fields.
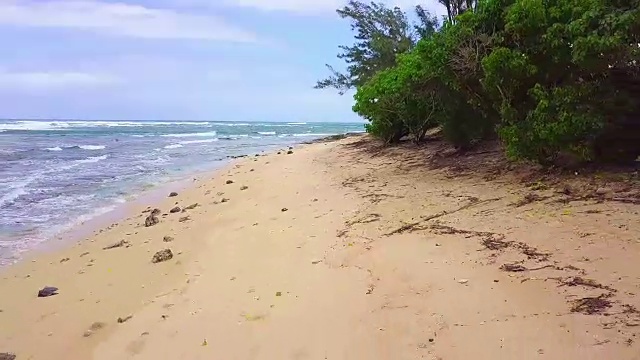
{"x": 120, "y": 243}
{"x": 284, "y": 210}
{"x": 279, "y": 293}
{"x": 602, "y": 191}
{"x": 151, "y": 220}
{"x": 224, "y": 200}
{"x": 315, "y": 262}
{"x": 167, "y": 239}
{"x": 176, "y": 209}
{"x": 156, "y": 211}
{"x": 244, "y": 187}
{"x": 289, "y": 152}
{"x": 192, "y": 206}
{"x": 64, "y": 260}
{"x": 229, "y": 182}
{"x": 438, "y": 244}
{"x": 173, "y": 194}
{"x": 184, "y": 218}
{"x": 7, "y": 356}
{"x": 162, "y": 255}
{"x": 463, "y": 281}
{"x": 84, "y": 254}
{"x": 48, "y": 291}
{"x": 431, "y": 339}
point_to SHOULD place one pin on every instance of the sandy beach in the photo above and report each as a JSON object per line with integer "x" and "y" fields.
{"x": 344, "y": 250}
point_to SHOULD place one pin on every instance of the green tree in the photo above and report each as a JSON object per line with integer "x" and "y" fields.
{"x": 381, "y": 34}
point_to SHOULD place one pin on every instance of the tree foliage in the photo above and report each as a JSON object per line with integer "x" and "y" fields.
{"x": 381, "y": 34}
{"x": 550, "y": 78}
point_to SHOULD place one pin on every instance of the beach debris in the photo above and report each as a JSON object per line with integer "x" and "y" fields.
{"x": 513, "y": 268}
{"x": 289, "y": 152}
{"x": 168, "y": 239}
{"x": 124, "y": 319}
{"x": 151, "y": 220}
{"x": 315, "y": 262}
{"x": 176, "y": 209}
{"x": 7, "y": 356}
{"x": 120, "y": 243}
{"x": 279, "y": 293}
{"x": 192, "y": 206}
{"x": 224, "y": 200}
{"x": 64, "y": 260}
{"x": 93, "y": 328}
{"x": 284, "y": 210}
{"x": 184, "y": 218}
{"x": 84, "y": 254}
{"x": 229, "y": 182}
{"x": 244, "y": 187}
{"x": 592, "y": 305}
{"x": 162, "y": 255}
{"x": 48, "y": 291}
{"x": 463, "y": 281}
{"x": 204, "y": 342}
{"x": 173, "y": 194}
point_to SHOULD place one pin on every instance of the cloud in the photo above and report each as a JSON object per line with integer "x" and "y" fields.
{"x": 119, "y": 19}
{"x": 38, "y": 81}
{"x": 317, "y": 7}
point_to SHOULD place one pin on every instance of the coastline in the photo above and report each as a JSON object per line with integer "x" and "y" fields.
{"x": 340, "y": 252}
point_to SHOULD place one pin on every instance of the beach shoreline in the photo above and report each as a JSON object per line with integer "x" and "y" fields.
{"x": 342, "y": 250}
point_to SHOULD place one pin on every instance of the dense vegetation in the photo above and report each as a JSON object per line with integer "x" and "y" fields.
{"x": 552, "y": 79}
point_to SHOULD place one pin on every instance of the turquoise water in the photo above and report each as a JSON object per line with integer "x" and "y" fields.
{"x": 55, "y": 174}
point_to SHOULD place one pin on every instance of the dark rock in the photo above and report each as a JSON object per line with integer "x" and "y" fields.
{"x": 224, "y": 200}
{"x": 151, "y": 220}
{"x": 290, "y": 147}
{"x": 7, "y": 356}
{"x": 289, "y": 152}
{"x": 167, "y": 239}
{"x": 64, "y": 260}
{"x": 48, "y": 291}
{"x": 284, "y": 209}
{"x": 175, "y": 210}
{"x": 173, "y": 194}
{"x": 162, "y": 255}
{"x": 279, "y": 153}
{"x": 602, "y": 191}
{"x": 229, "y": 182}
{"x": 156, "y": 211}
{"x": 244, "y": 187}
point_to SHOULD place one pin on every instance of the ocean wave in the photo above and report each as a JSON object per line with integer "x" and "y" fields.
{"x": 91, "y": 147}
{"x": 266, "y": 132}
{"x": 233, "y": 137}
{"x": 200, "y": 134}
{"x": 232, "y": 124}
{"x": 57, "y": 148}
{"x": 32, "y": 125}
{"x": 296, "y": 123}
{"x": 173, "y": 146}
{"x": 198, "y": 141}
{"x": 92, "y": 159}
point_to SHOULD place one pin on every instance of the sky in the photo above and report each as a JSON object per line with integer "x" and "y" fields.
{"x": 217, "y": 60}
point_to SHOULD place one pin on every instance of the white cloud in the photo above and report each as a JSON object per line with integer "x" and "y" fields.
{"x": 119, "y": 19}
{"x": 38, "y": 81}
{"x": 309, "y": 7}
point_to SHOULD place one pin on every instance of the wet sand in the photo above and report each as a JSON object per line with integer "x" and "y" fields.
{"x": 339, "y": 252}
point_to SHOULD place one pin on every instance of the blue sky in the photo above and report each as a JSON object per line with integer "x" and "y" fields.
{"x": 249, "y": 60}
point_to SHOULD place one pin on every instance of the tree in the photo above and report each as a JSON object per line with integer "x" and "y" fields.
{"x": 381, "y": 35}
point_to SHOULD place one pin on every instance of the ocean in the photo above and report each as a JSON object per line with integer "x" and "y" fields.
{"x": 57, "y": 174}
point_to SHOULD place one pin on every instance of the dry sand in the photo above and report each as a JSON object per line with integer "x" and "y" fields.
{"x": 340, "y": 251}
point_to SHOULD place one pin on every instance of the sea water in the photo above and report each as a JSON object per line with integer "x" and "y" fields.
{"x": 57, "y": 174}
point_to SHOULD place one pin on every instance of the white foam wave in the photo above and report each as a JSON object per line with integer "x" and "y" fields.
{"x": 92, "y": 159}
{"x": 198, "y": 141}
{"x": 57, "y": 148}
{"x": 32, "y": 125}
{"x": 297, "y": 123}
{"x": 231, "y": 124}
{"x": 173, "y": 146}
{"x": 200, "y": 134}
{"x": 266, "y": 132}
{"x": 92, "y": 147}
